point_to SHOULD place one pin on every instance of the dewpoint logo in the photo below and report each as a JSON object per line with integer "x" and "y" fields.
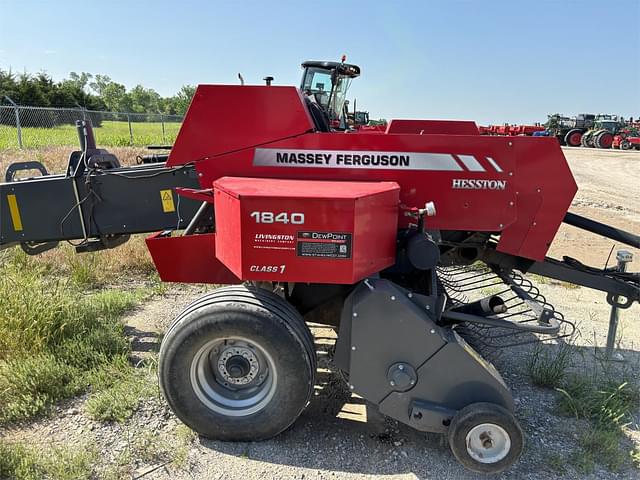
{"x": 468, "y": 184}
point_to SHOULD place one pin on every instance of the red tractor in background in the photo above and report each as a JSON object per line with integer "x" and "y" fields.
{"x": 628, "y": 137}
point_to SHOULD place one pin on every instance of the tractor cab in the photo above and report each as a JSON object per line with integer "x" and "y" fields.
{"x": 361, "y": 118}
{"x": 325, "y": 86}
{"x": 611, "y": 126}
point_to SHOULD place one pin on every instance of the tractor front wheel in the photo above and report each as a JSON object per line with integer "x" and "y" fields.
{"x": 238, "y": 364}
{"x": 625, "y": 145}
{"x": 485, "y": 438}
{"x": 603, "y": 140}
{"x": 573, "y": 137}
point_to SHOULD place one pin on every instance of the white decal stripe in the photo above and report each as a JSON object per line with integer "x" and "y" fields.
{"x": 272, "y": 157}
{"x": 494, "y": 164}
{"x": 471, "y": 163}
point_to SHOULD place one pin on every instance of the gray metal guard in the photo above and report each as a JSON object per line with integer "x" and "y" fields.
{"x": 385, "y": 327}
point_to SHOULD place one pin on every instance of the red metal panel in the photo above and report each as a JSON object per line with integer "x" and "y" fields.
{"x": 190, "y": 259}
{"x": 526, "y": 164}
{"x": 531, "y": 167}
{"x": 314, "y": 231}
{"x": 433, "y": 127}
{"x": 229, "y": 227}
{"x": 223, "y": 118}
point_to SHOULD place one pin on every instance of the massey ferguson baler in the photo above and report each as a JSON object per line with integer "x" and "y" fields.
{"x": 413, "y": 243}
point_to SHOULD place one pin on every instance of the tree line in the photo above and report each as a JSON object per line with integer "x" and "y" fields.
{"x": 93, "y": 92}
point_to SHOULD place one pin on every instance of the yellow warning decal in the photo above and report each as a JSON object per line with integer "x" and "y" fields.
{"x": 167, "y": 201}
{"x": 15, "y": 213}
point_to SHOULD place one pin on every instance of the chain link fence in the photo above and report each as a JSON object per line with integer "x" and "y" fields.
{"x": 36, "y": 127}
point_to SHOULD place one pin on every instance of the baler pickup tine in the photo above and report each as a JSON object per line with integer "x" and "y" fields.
{"x": 528, "y": 311}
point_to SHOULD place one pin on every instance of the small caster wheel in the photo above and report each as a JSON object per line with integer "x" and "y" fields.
{"x": 485, "y": 438}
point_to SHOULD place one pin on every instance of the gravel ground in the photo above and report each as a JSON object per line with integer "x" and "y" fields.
{"x": 332, "y": 439}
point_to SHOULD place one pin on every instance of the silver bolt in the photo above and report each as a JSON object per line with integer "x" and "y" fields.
{"x": 410, "y": 295}
{"x": 393, "y": 297}
{"x": 511, "y": 204}
{"x": 534, "y": 224}
{"x": 355, "y": 314}
{"x": 353, "y": 348}
{"x": 427, "y": 307}
{"x": 501, "y": 225}
{"x": 510, "y": 144}
{"x": 351, "y": 387}
{"x": 392, "y": 383}
{"x": 401, "y": 367}
{"x": 432, "y": 330}
{"x": 511, "y": 174}
{"x": 200, "y": 174}
{"x": 413, "y": 382}
{"x": 538, "y": 190}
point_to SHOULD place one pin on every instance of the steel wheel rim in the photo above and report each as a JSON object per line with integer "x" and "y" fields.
{"x": 488, "y": 443}
{"x": 233, "y": 376}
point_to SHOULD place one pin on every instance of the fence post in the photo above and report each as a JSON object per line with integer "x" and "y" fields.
{"x": 18, "y": 126}
{"x": 16, "y": 109}
{"x": 164, "y": 141}
{"x": 83, "y": 110}
{"x": 130, "y": 130}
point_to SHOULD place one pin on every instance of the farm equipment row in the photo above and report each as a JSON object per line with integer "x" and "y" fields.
{"x": 511, "y": 130}
{"x": 583, "y": 130}
{"x": 413, "y": 242}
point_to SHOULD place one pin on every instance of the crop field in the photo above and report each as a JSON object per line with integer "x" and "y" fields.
{"x": 108, "y": 134}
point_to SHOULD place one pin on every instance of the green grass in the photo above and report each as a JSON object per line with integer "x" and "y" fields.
{"x": 21, "y": 462}
{"x": 108, "y": 134}
{"x": 118, "y": 390}
{"x": 152, "y": 448}
{"x": 556, "y": 462}
{"x": 54, "y": 337}
{"x": 547, "y": 364}
{"x": 597, "y": 394}
{"x": 607, "y": 403}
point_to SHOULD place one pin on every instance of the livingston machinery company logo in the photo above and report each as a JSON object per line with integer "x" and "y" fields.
{"x": 276, "y": 157}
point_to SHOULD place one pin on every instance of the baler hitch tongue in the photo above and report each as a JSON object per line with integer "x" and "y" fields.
{"x": 96, "y": 203}
{"x": 605, "y": 230}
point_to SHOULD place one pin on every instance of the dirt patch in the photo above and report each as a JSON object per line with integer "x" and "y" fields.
{"x": 609, "y": 192}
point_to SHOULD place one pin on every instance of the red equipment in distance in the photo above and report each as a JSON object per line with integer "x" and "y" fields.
{"x": 511, "y": 130}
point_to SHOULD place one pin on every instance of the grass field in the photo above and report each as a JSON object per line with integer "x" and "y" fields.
{"x": 59, "y": 329}
{"x": 108, "y": 134}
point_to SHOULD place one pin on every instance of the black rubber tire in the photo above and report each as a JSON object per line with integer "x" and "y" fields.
{"x": 252, "y": 313}
{"x": 586, "y": 137}
{"x": 570, "y": 137}
{"x": 475, "y": 414}
{"x": 604, "y": 140}
{"x": 625, "y": 145}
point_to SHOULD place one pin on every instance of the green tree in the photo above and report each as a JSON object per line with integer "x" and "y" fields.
{"x": 183, "y": 98}
{"x": 144, "y": 100}
{"x": 114, "y": 95}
